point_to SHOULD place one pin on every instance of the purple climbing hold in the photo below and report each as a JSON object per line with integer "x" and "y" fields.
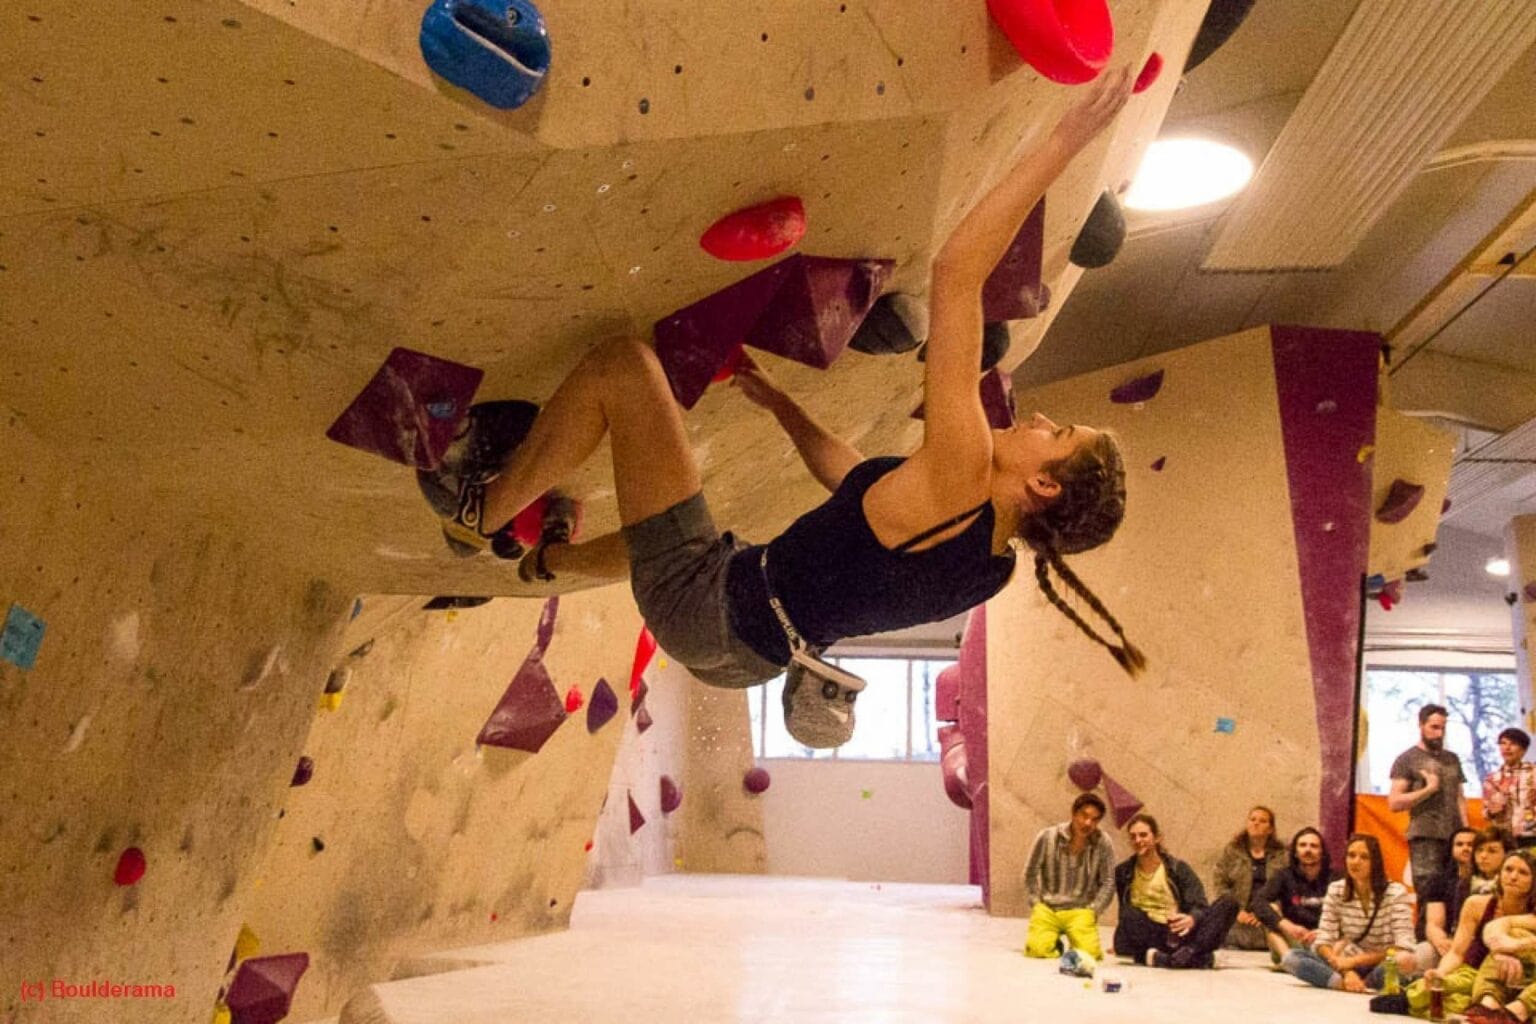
{"x": 1121, "y": 802}
{"x": 529, "y": 711}
{"x": 1085, "y": 773}
{"x": 1445, "y": 506}
{"x": 671, "y": 796}
{"x": 602, "y": 706}
{"x": 1140, "y": 389}
{"x": 756, "y": 780}
{"x": 262, "y": 992}
{"x": 636, "y": 819}
{"x": 1401, "y": 500}
{"x": 304, "y": 771}
{"x": 639, "y": 701}
{"x": 996, "y": 400}
{"x": 804, "y": 308}
{"x": 643, "y": 720}
{"x": 1013, "y": 290}
{"x": 1530, "y": 591}
{"x": 1161, "y": 461}
{"x": 546, "y": 629}
{"x": 391, "y": 416}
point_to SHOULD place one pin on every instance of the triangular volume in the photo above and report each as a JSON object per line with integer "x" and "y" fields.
{"x": 529, "y": 711}
{"x": 262, "y": 992}
{"x": 602, "y": 707}
{"x": 818, "y": 308}
{"x": 695, "y": 342}
{"x": 997, "y": 399}
{"x": 636, "y": 819}
{"x": 1122, "y": 802}
{"x": 411, "y": 409}
{"x": 1014, "y": 290}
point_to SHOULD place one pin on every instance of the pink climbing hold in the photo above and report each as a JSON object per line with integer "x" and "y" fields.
{"x": 602, "y": 707}
{"x": 1122, "y": 804}
{"x": 573, "y": 700}
{"x": 952, "y": 761}
{"x": 130, "y": 866}
{"x": 757, "y": 232}
{"x": 411, "y": 410}
{"x": 946, "y": 694}
{"x": 756, "y": 780}
{"x": 1402, "y": 498}
{"x": 1085, "y": 773}
{"x": 671, "y": 796}
{"x": 636, "y": 819}
{"x": 529, "y": 711}
{"x": 262, "y": 992}
{"x": 1149, "y": 72}
{"x": 645, "y": 647}
{"x": 1139, "y": 389}
{"x": 1067, "y": 41}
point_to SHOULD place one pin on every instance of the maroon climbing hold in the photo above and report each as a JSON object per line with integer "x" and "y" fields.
{"x": 1139, "y": 389}
{"x": 636, "y": 819}
{"x": 1121, "y": 803}
{"x": 603, "y": 706}
{"x": 1530, "y": 591}
{"x": 804, "y": 308}
{"x": 130, "y": 866}
{"x": 643, "y": 720}
{"x": 1085, "y": 773}
{"x": 1159, "y": 463}
{"x": 1013, "y": 290}
{"x": 304, "y": 771}
{"x": 946, "y": 694}
{"x": 1067, "y": 41}
{"x": 757, "y": 232}
{"x": 546, "y": 629}
{"x": 1149, "y": 72}
{"x": 1445, "y": 506}
{"x": 573, "y": 700}
{"x": 953, "y": 764}
{"x": 529, "y": 711}
{"x": 671, "y": 796}
{"x": 996, "y": 399}
{"x": 645, "y": 646}
{"x": 262, "y": 992}
{"x": 756, "y": 780}
{"x": 1402, "y": 498}
{"x": 411, "y": 410}
{"x": 638, "y": 704}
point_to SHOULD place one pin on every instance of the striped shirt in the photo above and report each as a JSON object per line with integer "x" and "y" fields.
{"x": 1346, "y": 920}
{"x": 1064, "y": 882}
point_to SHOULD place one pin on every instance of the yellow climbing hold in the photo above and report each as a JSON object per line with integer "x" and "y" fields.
{"x": 1365, "y": 452}
{"x": 221, "y": 1014}
{"x": 661, "y": 662}
{"x": 246, "y": 944}
{"x": 330, "y": 701}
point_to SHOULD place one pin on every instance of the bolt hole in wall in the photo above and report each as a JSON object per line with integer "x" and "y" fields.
{"x": 1482, "y": 703}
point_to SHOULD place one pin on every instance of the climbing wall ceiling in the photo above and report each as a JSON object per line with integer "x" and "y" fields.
{"x": 218, "y": 218}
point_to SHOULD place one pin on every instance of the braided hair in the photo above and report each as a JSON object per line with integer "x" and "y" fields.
{"x": 1084, "y": 515}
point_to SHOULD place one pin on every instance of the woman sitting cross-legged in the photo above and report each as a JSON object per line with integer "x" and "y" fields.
{"x": 1164, "y": 919}
{"x": 1252, "y": 857}
{"x": 1364, "y": 916}
{"x": 1505, "y": 989}
{"x": 1461, "y": 967}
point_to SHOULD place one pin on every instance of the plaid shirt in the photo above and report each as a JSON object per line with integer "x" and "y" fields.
{"x": 1064, "y": 882}
{"x": 1512, "y": 789}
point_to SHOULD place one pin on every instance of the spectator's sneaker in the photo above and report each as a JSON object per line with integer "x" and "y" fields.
{"x": 559, "y": 525}
{"x": 456, "y": 488}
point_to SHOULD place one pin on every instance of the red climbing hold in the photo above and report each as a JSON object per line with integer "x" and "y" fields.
{"x": 757, "y": 232}
{"x": 528, "y": 523}
{"x": 573, "y": 700}
{"x": 1067, "y": 41}
{"x": 645, "y": 647}
{"x": 732, "y": 362}
{"x": 130, "y": 867}
{"x": 587, "y": 846}
{"x": 1149, "y": 72}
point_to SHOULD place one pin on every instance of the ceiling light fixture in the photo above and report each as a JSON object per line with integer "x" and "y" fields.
{"x": 1179, "y": 173}
{"x": 1497, "y": 567}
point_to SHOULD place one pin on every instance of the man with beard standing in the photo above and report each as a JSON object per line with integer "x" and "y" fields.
{"x": 1427, "y": 783}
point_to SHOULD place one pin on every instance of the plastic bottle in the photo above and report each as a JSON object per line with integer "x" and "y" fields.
{"x": 1391, "y": 983}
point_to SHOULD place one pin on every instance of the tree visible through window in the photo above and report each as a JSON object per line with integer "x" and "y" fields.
{"x": 1481, "y": 704}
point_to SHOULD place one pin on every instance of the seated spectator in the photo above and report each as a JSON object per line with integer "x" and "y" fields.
{"x": 1364, "y": 915}
{"x": 1291, "y": 903}
{"x": 1458, "y": 969}
{"x": 1164, "y": 918}
{"x": 1509, "y": 791}
{"x": 1505, "y": 989}
{"x": 1439, "y": 894}
{"x": 1245, "y": 865}
{"x": 1069, "y": 882}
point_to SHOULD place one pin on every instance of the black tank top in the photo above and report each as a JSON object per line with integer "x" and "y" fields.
{"x": 837, "y": 580}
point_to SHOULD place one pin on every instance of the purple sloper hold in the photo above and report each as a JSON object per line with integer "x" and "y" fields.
{"x": 643, "y": 720}
{"x": 1085, "y": 773}
{"x": 946, "y": 694}
{"x": 1401, "y": 500}
{"x": 546, "y": 630}
{"x": 304, "y": 771}
{"x": 636, "y": 819}
{"x": 411, "y": 409}
{"x": 262, "y": 992}
{"x": 1122, "y": 802}
{"x": 804, "y": 308}
{"x": 602, "y": 706}
{"x": 1139, "y": 390}
{"x": 529, "y": 711}
{"x": 952, "y": 761}
{"x": 1013, "y": 290}
{"x": 757, "y": 780}
{"x": 671, "y": 796}
{"x": 997, "y": 399}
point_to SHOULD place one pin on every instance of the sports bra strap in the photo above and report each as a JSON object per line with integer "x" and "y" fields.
{"x": 946, "y": 524}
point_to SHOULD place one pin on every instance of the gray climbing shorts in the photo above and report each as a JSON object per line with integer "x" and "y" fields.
{"x": 677, "y": 568}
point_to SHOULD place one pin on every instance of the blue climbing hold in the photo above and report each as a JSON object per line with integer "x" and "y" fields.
{"x": 496, "y": 49}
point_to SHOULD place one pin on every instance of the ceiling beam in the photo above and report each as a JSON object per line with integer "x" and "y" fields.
{"x": 1481, "y": 395}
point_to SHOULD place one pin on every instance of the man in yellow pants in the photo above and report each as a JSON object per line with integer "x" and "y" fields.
{"x": 1069, "y": 882}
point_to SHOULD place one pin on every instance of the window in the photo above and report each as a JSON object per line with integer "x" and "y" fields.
{"x": 894, "y": 715}
{"x": 1482, "y": 703}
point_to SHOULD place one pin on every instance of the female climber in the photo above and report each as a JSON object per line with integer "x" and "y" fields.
{"x": 901, "y": 541}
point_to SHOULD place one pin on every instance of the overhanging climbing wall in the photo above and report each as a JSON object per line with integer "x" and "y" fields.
{"x": 1237, "y": 571}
